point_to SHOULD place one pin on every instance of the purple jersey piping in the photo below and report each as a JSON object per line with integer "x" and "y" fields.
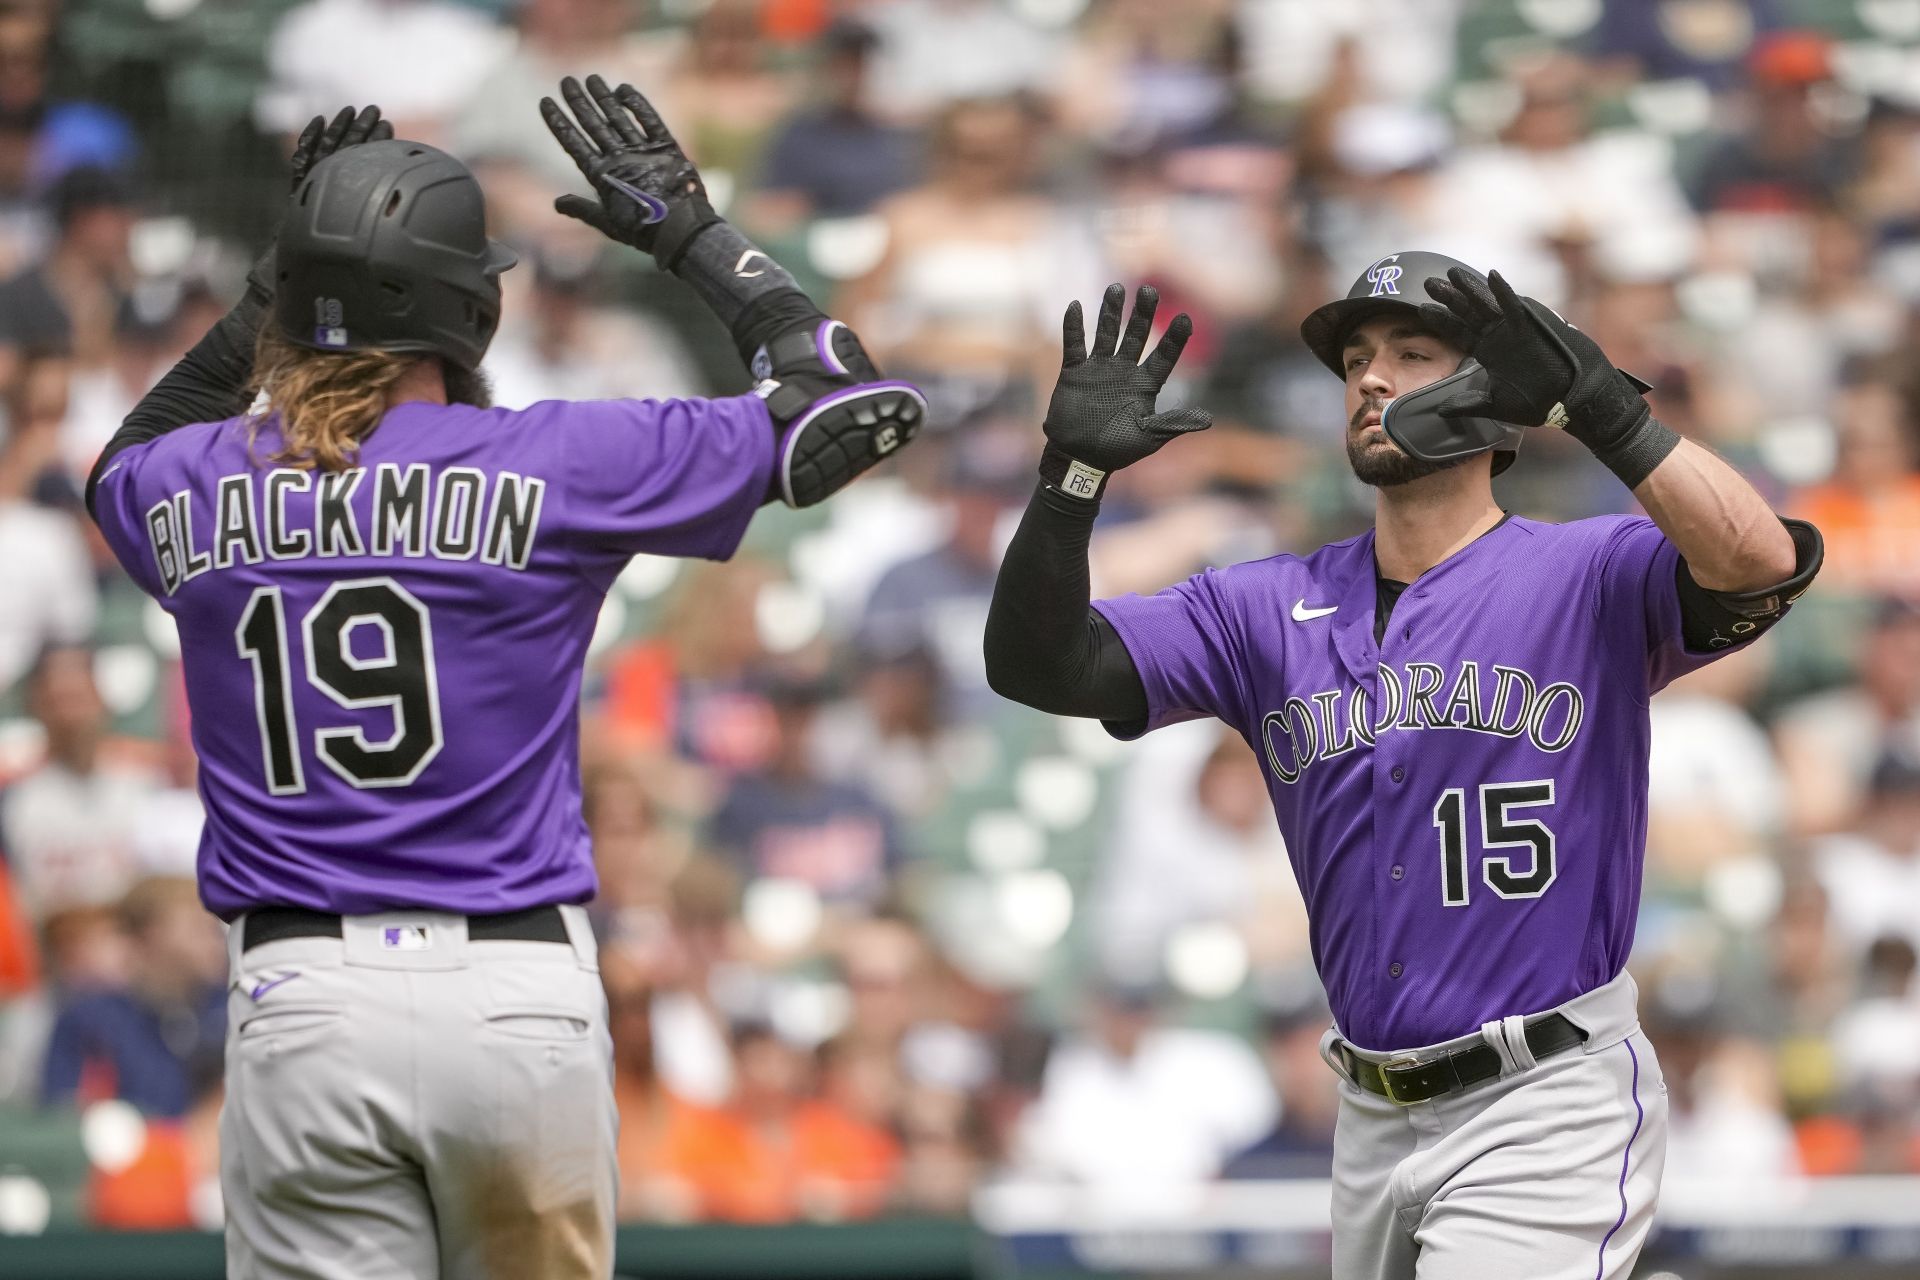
{"x": 1639, "y": 1117}
{"x": 851, "y": 393}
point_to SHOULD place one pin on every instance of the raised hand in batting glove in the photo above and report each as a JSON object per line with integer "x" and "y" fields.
{"x": 1544, "y": 372}
{"x": 1101, "y": 416}
{"x": 320, "y": 139}
{"x": 650, "y": 195}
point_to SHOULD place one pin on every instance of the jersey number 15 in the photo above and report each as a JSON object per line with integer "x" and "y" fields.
{"x": 1499, "y": 829}
{"x": 401, "y": 678}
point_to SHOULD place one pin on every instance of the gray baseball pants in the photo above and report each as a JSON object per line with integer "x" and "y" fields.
{"x": 1548, "y": 1172}
{"x": 403, "y": 1103}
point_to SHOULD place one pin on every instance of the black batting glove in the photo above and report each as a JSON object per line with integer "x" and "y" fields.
{"x": 1101, "y": 416}
{"x": 320, "y": 139}
{"x": 650, "y": 195}
{"x": 1544, "y": 372}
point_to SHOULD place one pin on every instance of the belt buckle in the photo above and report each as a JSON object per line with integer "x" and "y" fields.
{"x": 1386, "y": 1080}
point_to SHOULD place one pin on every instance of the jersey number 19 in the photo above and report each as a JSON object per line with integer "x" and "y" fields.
{"x": 401, "y": 677}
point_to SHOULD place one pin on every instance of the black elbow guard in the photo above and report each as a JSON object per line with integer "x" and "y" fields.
{"x": 836, "y": 416}
{"x": 1768, "y": 603}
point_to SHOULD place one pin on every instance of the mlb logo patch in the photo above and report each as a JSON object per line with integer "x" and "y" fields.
{"x": 327, "y": 337}
{"x": 406, "y": 937}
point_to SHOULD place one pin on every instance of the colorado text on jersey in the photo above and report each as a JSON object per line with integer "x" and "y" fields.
{"x": 461, "y": 513}
{"x": 1330, "y": 722}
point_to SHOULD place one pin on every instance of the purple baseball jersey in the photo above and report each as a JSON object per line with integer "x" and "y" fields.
{"x": 1464, "y": 803}
{"x": 383, "y": 664}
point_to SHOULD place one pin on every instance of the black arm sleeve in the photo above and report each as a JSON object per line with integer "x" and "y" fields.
{"x": 1045, "y": 646}
{"x": 207, "y": 385}
{"x": 1719, "y": 619}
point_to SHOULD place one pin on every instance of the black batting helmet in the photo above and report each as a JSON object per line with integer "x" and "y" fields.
{"x": 1397, "y": 284}
{"x": 385, "y": 248}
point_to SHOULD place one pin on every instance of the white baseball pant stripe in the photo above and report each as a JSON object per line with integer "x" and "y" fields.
{"x": 408, "y": 1105}
{"x": 1550, "y": 1171}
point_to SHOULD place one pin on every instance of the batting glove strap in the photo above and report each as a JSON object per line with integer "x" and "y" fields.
{"x": 1071, "y": 477}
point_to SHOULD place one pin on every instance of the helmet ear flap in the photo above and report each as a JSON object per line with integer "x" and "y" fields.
{"x": 1419, "y": 422}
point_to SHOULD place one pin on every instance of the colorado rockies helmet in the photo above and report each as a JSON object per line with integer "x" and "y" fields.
{"x": 1393, "y": 285}
{"x": 385, "y": 248}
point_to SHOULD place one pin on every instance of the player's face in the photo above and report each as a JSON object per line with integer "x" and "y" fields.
{"x": 1384, "y": 358}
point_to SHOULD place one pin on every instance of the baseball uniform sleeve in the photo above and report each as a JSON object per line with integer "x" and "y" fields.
{"x": 666, "y": 477}
{"x": 1638, "y": 599}
{"x": 117, "y": 510}
{"x": 1189, "y": 650}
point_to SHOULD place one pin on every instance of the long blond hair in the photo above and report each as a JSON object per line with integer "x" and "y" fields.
{"x": 327, "y": 401}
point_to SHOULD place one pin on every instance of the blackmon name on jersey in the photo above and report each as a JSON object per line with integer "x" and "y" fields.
{"x": 461, "y": 513}
{"x": 1508, "y": 703}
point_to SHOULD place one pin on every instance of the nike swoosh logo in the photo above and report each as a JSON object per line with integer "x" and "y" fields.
{"x": 1303, "y": 614}
{"x": 656, "y": 208}
{"x": 262, "y": 988}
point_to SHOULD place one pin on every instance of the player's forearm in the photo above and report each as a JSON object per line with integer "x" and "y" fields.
{"x": 208, "y": 384}
{"x": 1045, "y": 646}
{"x": 1730, "y": 538}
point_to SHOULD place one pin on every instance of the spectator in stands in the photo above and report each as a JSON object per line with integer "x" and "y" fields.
{"x": 775, "y": 1151}
{"x": 938, "y": 601}
{"x": 1886, "y": 198}
{"x": 1831, "y": 741}
{"x": 158, "y": 1043}
{"x": 1194, "y": 842}
{"x": 1300, "y": 1144}
{"x": 727, "y": 93}
{"x": 787, "y": 822}
{"x": 1871, "y": 871}
{"x": 838, "y": 157}
{"x": 422, "y": 60}
{"x": 69, "y": 303}
{"x": 1783, "y": 158}
{"x": 1135, "y": 1106}
{"x": 1877, "y": 1040}
{"x": 1555, "y": 179}
{"x": 26, "y": 32}
{"x": 564, "y": 343}
{"x": 897, "y": 735}
{"x": 934, "y": 53}
{"x": 47, "y": 591}
{"x": 653, "y": 1119}
{"x": 1869, "y": 508}
{"x": 976, "y": 262}
{"x": 1714, "y": 794}
{"x": 1725, "y": 1123}
{"x": 69, "y": 825}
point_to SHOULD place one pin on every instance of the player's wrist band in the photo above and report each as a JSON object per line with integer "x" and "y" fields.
{"x": 1074, "y": 478}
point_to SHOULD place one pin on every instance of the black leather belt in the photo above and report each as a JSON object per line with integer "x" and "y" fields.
{"x": 1409, "y": 1079}
{"x": 272, "y": 924}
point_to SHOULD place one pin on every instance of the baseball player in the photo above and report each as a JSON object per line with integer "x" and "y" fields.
{"x": 1452, "y": 712}
{"x": 384, "y": 591}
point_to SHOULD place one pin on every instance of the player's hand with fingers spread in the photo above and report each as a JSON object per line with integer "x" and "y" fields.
{"x": 1544, "y": 372}
{"x": 321, "y": 139}
{"x": 650, "y": 195}
{"x": 1101, "y": 416}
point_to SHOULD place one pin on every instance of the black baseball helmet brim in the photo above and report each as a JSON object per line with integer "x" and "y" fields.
{"x": 1326, "y": 330}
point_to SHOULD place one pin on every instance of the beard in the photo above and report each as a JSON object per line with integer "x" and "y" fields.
{"x": 467, "y": 386}
{"x": 1382, "y": 464}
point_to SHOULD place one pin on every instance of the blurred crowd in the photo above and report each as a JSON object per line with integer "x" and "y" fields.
{"x": 872, "y": 935}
